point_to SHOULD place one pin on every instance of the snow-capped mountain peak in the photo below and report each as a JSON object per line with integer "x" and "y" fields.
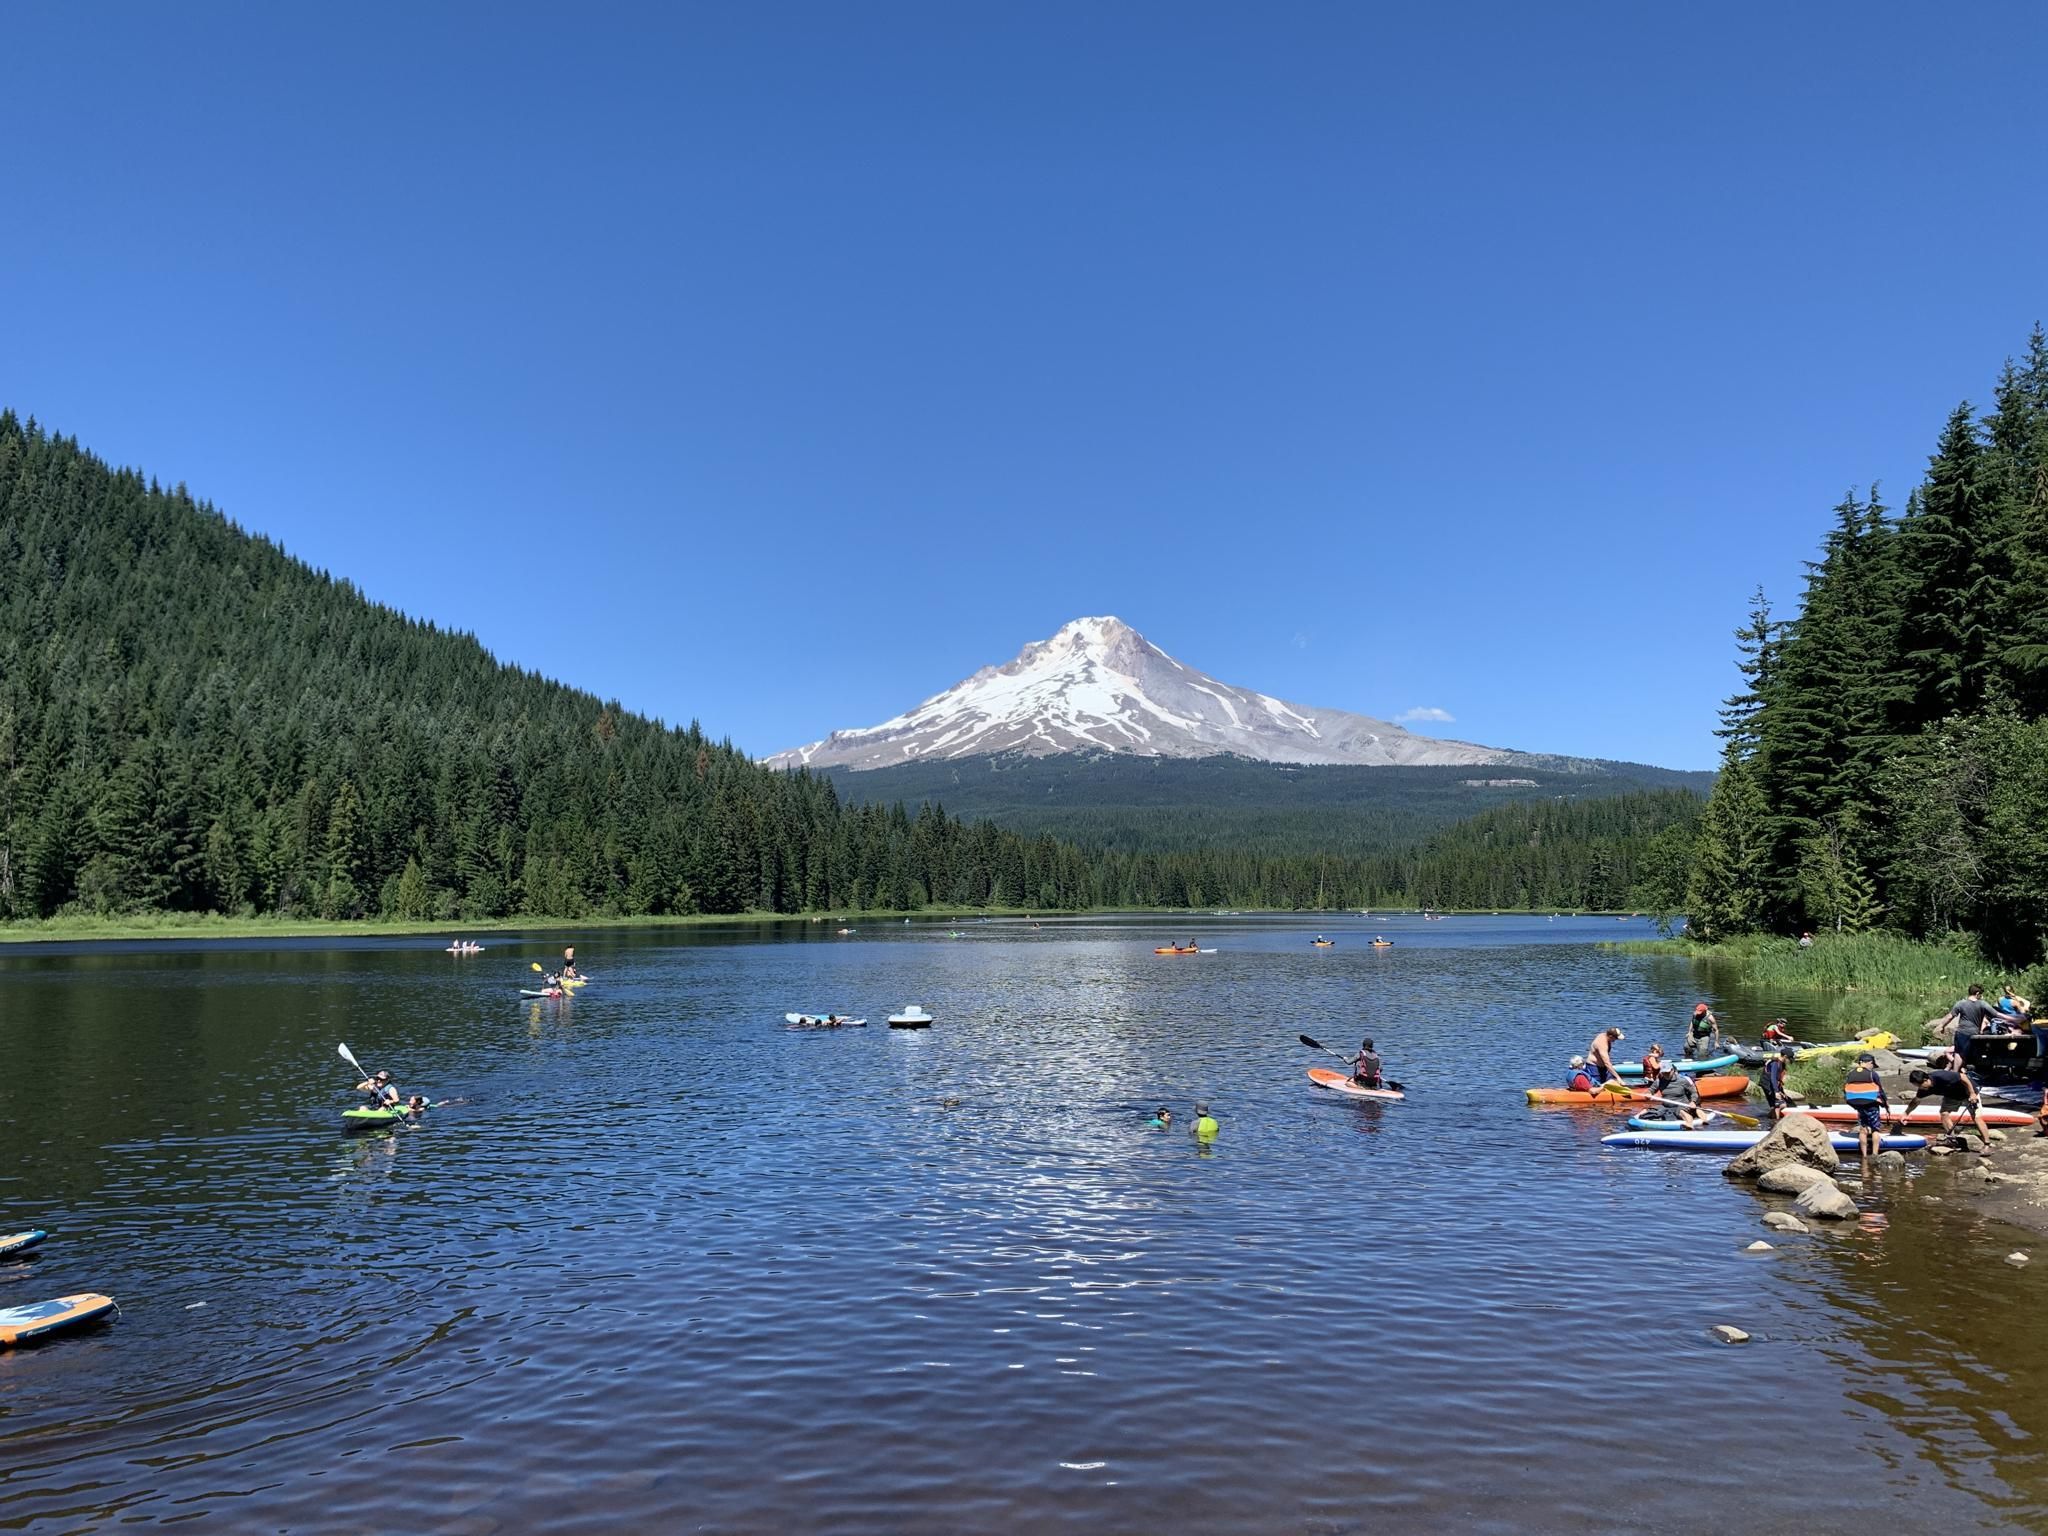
{"x": 1099, "y": 686}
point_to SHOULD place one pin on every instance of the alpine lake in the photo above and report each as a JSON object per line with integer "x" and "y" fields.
{"x": 664, "y": 1264}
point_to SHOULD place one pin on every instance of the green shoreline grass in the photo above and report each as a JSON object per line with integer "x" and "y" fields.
{"x": 1879, "y": 963}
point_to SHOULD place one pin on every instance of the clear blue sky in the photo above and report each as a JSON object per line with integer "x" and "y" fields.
{"x": 777, "y": 365}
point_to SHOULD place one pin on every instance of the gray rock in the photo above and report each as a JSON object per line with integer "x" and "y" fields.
{"x": 1789, "y": 1178}
{"x": 1891, "y": 1159}
{"x": 1997, "y": 1135}
{"x": 1760, "y": 1246}
{"x": 1794, "y": 1139}
{"x": 1940, "y": 1149}
{"x": 1784, "y": 1221}
{"x": 1728, "y": 1333}
{"x": 1823, "y": 1199}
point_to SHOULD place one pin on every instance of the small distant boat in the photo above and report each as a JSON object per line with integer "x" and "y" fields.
{"x": 1382, "y": 943}
{"x": 843, "y": 932}
{"x": 465, "y": 949}
{"x": 822, "y": 1021}
{"x": 1322, "y": 943}
{"x": 1176, "y": 949}
{"x": 912, "y": 1017}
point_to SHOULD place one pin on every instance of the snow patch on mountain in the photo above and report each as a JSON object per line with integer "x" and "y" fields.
{"x": 1100, "y": 686}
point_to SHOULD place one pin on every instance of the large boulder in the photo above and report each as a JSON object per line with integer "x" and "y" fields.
{"x": 1794, "y": 1139}
{"x": 1825, "y": 1199}
{"x": 1789, "y": 1179}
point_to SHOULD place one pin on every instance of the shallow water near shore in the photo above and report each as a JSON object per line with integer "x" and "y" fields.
{"x": 671, "y": 1266}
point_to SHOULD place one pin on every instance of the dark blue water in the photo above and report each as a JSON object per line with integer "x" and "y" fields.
{"x": 674, "y": 1267}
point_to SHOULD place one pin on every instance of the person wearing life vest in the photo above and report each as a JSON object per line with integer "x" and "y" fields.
{"x": 1776, "y": 1034}
{"x": 1957, "y": 1093}
{"x": 1580, "y": 1080}
{"x": 1653, "y": 1062}
{"x": 1775, "y": 1095}
{"x": 1600, "y": 1056}
{"x": 1365, "y": 1071}
{"x": 1681, "y": 1097}
{"x": 1703, "y": 1034}
{"x": 1205, "y": 1126}
{"x": 1863, "y": 1091}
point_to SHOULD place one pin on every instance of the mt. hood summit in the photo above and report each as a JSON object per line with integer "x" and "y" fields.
{"x": 1100, "y": 686}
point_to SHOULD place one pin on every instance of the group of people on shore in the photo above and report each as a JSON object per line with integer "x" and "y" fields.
{"x": 1944, "y": 1078}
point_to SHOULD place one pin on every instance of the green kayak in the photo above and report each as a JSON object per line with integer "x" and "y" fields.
{"x": 364, "y": 1118}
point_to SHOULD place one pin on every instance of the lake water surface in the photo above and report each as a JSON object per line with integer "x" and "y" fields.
{"x": 673, "y": 1267}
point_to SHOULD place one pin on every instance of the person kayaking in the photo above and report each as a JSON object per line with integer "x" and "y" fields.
{"x": 1682, "y": 1099}
{"x": 1776, "y": 1098}
{"x": 1703, "y": 1034}
{"x": 1863, "y": 1091}
{"x": 1957, "y": 1092}
{"x": 1577, "y": 1078}
{"x": 1162, "y": 1119}
{"x": 1205, "y": 1126}
{"x": 1600, "y": 1055}
{"x": 379, "y": 1087}
{"x": 1365, "y": 1070}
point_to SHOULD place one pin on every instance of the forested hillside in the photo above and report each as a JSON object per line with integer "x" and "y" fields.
{"x": 191, "y": 720}
{"x": 1169, "y": 805}
{"x": 1887, "y": 763}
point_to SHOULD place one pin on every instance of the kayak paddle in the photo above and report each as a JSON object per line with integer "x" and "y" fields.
{"x": 1747, "y": 1122}
{"x": 349, "y": 1056}
{"x": 1317, "y": 1045}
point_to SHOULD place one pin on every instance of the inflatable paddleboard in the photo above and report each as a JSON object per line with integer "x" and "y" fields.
{"x": 1877, "y": 1042}
{"x": 1740, "y": 1141}
{"x": 19, "y": 1242}
{"x": 40, "y": 1319}
{"x": 1711, "y": 1064}
{"x": 1340, "y": 1082}
{"x": 1845, "y": 1114}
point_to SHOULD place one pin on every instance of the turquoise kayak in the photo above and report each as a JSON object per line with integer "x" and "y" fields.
{"x": 1711, "y": 1064}
{"x": 1740, "y": 1141}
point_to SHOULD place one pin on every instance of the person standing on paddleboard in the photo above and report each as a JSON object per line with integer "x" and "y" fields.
{"x": 569, "y": 962}
{"x": 1365, "y": 1071}
{"x": 1600, "y": 1055}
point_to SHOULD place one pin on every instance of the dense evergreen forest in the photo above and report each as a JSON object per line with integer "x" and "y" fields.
{"x": 1887, "y": 761}
{"x": 1170, "y": 805}
{"x": 191, "y": 720}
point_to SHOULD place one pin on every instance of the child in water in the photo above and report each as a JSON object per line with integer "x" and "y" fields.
{"x": 1162, "y": 1118}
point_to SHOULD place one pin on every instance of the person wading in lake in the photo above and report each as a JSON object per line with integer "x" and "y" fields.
{"x": 1600, "y": 1056}
{"x": 1863, "y": 1091}
{"x": 1776, "y": 1098}
{"x": 1703, "y": 1034}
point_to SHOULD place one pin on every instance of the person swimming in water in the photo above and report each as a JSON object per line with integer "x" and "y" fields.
{"x": 1162, "y": 1119}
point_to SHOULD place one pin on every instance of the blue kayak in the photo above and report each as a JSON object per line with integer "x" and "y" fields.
{"x": 1740, "y": 1141}
{"x": 1711, "y": 1064}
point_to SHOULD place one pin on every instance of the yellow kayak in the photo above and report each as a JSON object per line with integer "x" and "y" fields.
{"x": 1877, "y": 1042}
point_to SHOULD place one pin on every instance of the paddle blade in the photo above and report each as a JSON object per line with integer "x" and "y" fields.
{"x": 1314, "y": 1045}
{"x": 533, "y": 965}
{"x": 1747, "y": 1122}
{"x": 349, "y": 1056}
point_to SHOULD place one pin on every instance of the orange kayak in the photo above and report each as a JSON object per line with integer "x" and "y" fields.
{"x": 1732, "y": 1085}
{"x": 1170, "y": 950}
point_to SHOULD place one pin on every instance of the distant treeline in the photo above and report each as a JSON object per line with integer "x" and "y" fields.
{"x": 191, "y": 720}
{"x": 1887, "y": 763}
